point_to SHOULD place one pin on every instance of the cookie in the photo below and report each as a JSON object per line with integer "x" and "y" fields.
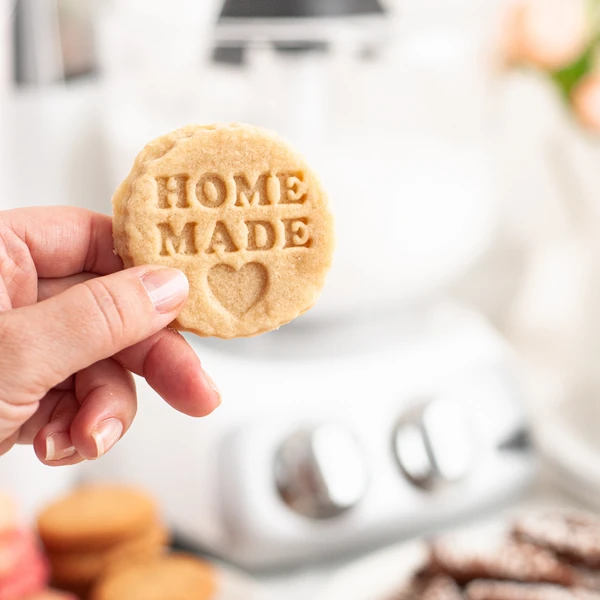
{"x": 441, "y": 588}
{"x": 177, "y": 576}
{"x": 74, "y": 567}
{"x": 52, "y": 595}
{"x": 80, "y": 592}
{"x": 513, "y": 561}
{"x": 574, "y": 536}
{"x": 240, "y": 213}
{"x": 504, "y": 590}
{"x": 95, "y": 518}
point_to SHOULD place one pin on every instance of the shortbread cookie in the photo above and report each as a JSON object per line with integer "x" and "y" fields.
{"x": 52, "y": 595}
{"x": 240, "y": 213}
{"x": 80, "y": 592}
{"x": 75, "y": 567}
{"x": 175, "y": 576}
{"x": 95, "y": 518}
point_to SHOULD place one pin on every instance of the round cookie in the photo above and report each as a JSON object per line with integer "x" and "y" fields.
{"x": 52, "y": 595}
{"x": 177, "y": 577}
{"x": 95, "y": 518}
{"x": 74, "y": 568}
{"x": 80, "y": 592}
{"x": 240, "y": 213}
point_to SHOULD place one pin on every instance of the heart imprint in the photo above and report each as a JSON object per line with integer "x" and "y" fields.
{"x": 238, "y": 291}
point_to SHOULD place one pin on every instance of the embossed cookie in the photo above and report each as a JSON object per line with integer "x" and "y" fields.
{"x": 240, "y": 213}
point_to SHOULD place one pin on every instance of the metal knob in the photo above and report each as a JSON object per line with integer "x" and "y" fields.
{"x": 433, "y": 444}
{"x": 321, "y": 472}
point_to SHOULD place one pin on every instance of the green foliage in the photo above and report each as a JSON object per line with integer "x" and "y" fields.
{"x": 567, "y": 78}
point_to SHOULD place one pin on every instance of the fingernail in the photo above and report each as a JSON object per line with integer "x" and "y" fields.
{"x": 213, "y": 387}
{"x": 59, "y": 446}
{"x": 106, "y": 435}
{"x": 167, "y": 288}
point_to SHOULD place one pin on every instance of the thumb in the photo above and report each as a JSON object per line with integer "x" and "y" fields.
{"x": 43, "y": 344}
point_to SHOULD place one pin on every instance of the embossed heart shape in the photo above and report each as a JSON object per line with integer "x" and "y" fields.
{"x": 238, "y": 291}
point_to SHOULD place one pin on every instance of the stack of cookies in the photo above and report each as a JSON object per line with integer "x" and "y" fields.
{"x": 551, "y": 556}
{"x": 98, "y": 528}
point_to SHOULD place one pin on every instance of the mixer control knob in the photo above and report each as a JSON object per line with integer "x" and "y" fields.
{"x": 321, "y": 472}
{"x": 434, "y": 444}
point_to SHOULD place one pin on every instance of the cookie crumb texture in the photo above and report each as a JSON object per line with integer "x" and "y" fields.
{"x": 240, "y": 213}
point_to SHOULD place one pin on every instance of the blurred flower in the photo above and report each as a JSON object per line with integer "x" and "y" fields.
{"x": 549, "y": 34}
{"x": 586, "y": 101}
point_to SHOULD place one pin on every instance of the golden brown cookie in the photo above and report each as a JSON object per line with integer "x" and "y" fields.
{"x": 52, "y": 595}
{"x": 83, "y": 567}
{"x": 81, "y": 592}
{"x": 240, "y": 213}
{"x": 177, "y": 577}
{"x": 96, "y": 517}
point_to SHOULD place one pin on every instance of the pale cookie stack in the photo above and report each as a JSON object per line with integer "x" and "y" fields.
{"x": 98, "y": 528}
{"x": 240, "y": 213}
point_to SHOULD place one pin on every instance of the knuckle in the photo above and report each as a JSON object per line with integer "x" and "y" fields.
{"x": 14, "y": 351}
{"x": 7, "y": 334}
{"x": 19, "y": 384}
{"x": 12, "y": 414}
{"x": 110, "y": 310}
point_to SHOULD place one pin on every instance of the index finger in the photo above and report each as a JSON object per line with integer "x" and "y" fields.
{"x": 66, "y": 240}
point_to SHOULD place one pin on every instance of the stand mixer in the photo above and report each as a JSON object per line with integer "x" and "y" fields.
{"x": 385, "y": 410}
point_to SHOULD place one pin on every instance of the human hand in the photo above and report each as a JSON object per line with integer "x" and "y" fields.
{"x": 74, "y": 326}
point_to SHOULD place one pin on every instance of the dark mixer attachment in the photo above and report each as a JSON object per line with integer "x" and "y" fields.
{"x": 249, "y": 9}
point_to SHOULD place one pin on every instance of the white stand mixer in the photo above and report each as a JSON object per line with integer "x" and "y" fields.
{"x": 365, "y": 420}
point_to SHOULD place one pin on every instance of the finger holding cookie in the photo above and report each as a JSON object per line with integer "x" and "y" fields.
{"x": 74, "y": 325}
{"x": 223, "y": 231}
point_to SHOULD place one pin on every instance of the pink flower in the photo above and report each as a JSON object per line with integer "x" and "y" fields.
{"x": 586, "y": 101}
{"x": 549, "y": 34}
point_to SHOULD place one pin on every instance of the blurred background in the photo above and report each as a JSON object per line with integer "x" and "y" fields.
{"x": 451, "y": 365}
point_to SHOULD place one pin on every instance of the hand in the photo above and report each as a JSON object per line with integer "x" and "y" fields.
{"x": 74, "y": 326}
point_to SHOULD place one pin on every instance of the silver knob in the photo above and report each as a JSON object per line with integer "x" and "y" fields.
{"x": 434, "y": 444}
{"x": 321, "y": 471}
